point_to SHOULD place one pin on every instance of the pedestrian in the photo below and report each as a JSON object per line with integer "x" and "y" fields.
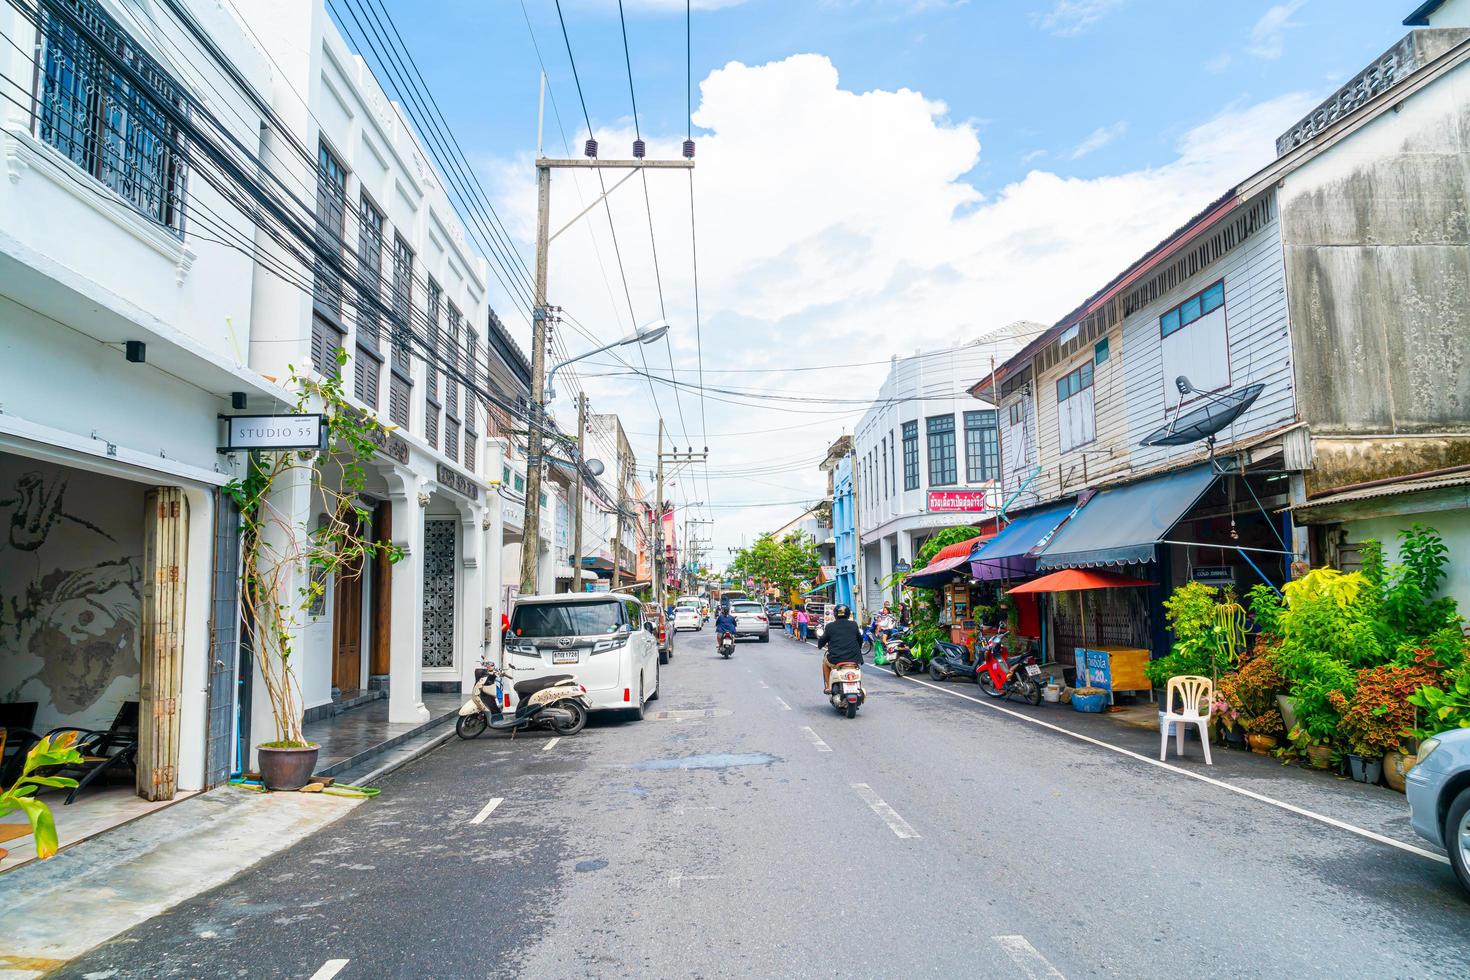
{"x": 790, "y": 617}
{"x": 802, "y": 622}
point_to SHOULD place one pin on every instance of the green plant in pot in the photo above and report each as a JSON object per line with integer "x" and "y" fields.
{"x": 21, "y": 795}
{"x": 287, "y": 563}
{"x": 1378, "y": 717}
{"x": 1251, "y": 691}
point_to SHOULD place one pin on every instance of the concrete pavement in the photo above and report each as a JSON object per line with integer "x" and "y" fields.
{"x": 746, "y": 829}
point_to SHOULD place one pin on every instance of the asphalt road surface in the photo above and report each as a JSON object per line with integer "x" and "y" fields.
{"x": 745, "y": 829}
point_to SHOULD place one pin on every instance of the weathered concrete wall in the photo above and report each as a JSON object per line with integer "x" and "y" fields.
{"x": 1376, "y": 232}
{"x": 1345, "y": 462}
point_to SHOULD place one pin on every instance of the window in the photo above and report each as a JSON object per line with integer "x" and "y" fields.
{"x": 114, "y": 130}
{"x": 940, "y": 432}
{"x": 468, "y": 411}
{"x": 370, "y": 273}
{"x": 1018, "y": 412}
{"x": 982, "y": 447}
{"x": 893, "y": 460}
{"x": 400, "y": 381}
{"x": 1075, "y": 422}
{"x": 911, "y": 455}
{"x": 885, "y": 467}
{"x": 331, "y": 213}
{"x": 505, "y": 478}
{"x": 551, "y": 619}
{"x": 431, "y": 376}
{"x": 1195, "y": 342}
{"x": 1100, "y": 351}
{"x": 521, "y": 486}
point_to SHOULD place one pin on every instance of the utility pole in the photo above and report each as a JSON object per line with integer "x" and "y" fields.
{"x": 678, "y": 459}
{"x": 578, "y": 494}
{"x": 530, "y": 550}
{"x": 624, "y": 466}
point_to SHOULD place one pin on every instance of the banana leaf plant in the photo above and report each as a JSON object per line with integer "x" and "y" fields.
{"x": 21, "y": 796}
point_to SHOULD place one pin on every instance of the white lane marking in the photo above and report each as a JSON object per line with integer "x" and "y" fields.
{"x": 763, "y": 684}
{"x": 677, "y": 878}
{"x": 329, "y": 969}
{"x": 816, "y": 740}
{"x": 550, "y": 743}
{"x": 1221, "y": 784}
{"x": 488, "y": 809}
{"x": 1027, "y": 958}
{"x": 875, "y": 803}
{"x": 782, "y": 703}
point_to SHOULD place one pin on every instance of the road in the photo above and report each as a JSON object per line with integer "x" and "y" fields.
{"x": 746, "y": 830}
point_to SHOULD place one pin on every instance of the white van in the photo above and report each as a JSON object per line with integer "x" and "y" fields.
{"x": 600, "y": 638}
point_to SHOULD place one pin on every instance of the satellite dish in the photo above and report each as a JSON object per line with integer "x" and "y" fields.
{"x": 1205, "y": 421}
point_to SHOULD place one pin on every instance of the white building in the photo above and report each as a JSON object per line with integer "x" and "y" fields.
{"x": 927, "y": 454}
{"x": 125, "y": 330}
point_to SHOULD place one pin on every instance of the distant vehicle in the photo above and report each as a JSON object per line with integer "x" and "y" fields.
{"x": 751, "y": 620}
{"x": 651, "y": 611}
{"x": 1438, "y": 788}
{"x": 693, "y": 602}
{"x": 775, "y": 612}
{"x": 602, "y": 637}
{"x": 687, "y": 618}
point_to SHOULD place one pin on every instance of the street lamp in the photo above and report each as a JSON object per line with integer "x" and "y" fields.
{"x": 646, "y": 334}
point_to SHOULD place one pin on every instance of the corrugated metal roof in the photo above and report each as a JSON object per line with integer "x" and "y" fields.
{"x": 1388, "y": 490}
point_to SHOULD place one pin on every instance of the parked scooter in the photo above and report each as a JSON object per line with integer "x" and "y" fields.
{"x": 903, "y": 657}
{"x": 948, "y": 660}
{"x": 1000, "y": 675}
{"x": 847, "y": 689}
{"x": 727, "y": 644}
{"x": 555, "y": 701}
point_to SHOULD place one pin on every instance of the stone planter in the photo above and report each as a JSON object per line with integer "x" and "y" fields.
{"x": 287, "y": 768}
{"x": 1288, "y": 710}
{"x": 1396, "y": 766}
{"x": 1365, "y": 770}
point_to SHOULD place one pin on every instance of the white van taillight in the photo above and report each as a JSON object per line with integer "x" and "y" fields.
{"x": 627, "y": 694}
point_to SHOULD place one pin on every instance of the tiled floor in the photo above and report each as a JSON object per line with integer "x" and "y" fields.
{"x": 96, "y": 810}
{"x": 345, "y": 736}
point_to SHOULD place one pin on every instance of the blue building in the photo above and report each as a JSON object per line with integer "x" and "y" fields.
{"x": 838, "y": 465}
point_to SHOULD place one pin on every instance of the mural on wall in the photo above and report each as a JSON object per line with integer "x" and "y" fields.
{"x": 70, "y": 592}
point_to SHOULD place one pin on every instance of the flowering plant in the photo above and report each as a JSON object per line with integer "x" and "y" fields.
{"x": 1378, "y": 717}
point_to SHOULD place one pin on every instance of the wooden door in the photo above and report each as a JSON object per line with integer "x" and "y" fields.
{"x": 382, "y": 593}
{"x": 347, "y": 629}
{"x": 165, "y": 576}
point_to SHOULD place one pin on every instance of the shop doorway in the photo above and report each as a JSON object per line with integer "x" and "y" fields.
{"x": 347, "y": 628}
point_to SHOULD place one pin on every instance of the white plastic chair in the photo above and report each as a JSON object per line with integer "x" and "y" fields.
{"x": 1196, "y": 694}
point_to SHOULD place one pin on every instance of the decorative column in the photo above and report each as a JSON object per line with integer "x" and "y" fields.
{"x": 470, "y": 643}
{"x": 405, "y": 659}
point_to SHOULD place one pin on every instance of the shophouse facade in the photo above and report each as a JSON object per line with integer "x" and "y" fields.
{"x": 125, "y": 331}
{"x": 927, "y": 456}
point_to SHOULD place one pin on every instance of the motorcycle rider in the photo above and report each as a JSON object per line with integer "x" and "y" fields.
{"x": 844, "y": 643}
{"x": 724, "y": 623}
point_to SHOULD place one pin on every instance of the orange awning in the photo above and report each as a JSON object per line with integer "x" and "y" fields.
{"x": 1079, "y": 579}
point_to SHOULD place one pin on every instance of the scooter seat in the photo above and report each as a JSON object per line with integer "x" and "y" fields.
{"x": 525, "y": 689}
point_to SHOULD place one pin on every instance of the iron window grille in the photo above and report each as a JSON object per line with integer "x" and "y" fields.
{"x": 367, "y": 371}
{"x": 450, "y": 357}
{"x": 911, "y": 455}
{"x": 400, "y": 381}
{"x": 331, "y": 214}
{"x": 431, "y": 376}
{"x": 102, "y": 121}
{"x": 982, "y": 446}
{"x": 940, "y": 432}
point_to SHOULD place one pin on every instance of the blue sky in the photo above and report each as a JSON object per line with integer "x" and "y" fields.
{"x": 874, "y": 177}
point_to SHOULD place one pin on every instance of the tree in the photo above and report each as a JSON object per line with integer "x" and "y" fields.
{"x": 782, "y": 564}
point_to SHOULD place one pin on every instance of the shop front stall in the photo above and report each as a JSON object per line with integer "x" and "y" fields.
{"x": 1112, "y": 666}
{"x": 948, "y": 573}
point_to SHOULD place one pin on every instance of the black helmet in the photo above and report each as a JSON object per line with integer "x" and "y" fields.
{"x": 842, "y": 612}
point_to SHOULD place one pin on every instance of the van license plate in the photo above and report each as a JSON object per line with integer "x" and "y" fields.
{"x": 570, "y": 657}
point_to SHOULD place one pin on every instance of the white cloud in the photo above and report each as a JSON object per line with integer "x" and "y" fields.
{"x": 1069, "y": 18}
{"x": 835, "y": 227}
{"x": 1033, "y": 155}
{"x": 1219, "y": 63}
{"x": 1268, "y": 37}
{"x": 1098, "y": 139}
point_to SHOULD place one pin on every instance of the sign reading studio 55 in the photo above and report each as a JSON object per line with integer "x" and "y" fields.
{"x": 274, "y": 432}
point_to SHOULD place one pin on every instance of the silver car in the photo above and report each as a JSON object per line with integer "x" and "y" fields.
{"x": 1438, "y": 788}
{"x": 751, "y": 620}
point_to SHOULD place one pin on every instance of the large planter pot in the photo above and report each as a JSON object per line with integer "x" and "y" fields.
{"x": 1235, "y": 738}
{"x": 1288, "y": 710}
{"x": 1365, "y": 770}
{"x": 1092, "y": 703}
{"x": 287, "y": 769}
{"x": 1396, "y": 766}
{"x": 1261, "y": 744}
{"x": 1319, "y": 756}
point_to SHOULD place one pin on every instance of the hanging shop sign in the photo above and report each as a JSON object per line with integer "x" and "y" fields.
{"x": 455, "y": 480}
{"x": 958, "y": 501}
{"x": 1216, "y": 575}
{"x": 274, "y": 432}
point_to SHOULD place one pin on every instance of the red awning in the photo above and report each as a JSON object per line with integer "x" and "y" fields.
{"x": 959, "y": 548}
{"x": 1078, "y": 579}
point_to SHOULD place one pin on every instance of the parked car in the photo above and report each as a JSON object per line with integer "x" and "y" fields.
{"x": 751, "y": 620}
{"x": 693, "y": 602}
{"x": 600, "y": 638}
{"x": 776, "y": 613}
{"x": 687, "y": 618}
{"x": 651, "y": 611}
{"x": 1438, "y": 788}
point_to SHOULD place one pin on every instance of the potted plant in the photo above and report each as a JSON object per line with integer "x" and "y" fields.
{"x": 1378, "y": 717}
{"x": 1317, "y": 750}
{"x": 1251, "y": 691}
{"x": 1093, "y": 700}
{"x": 1227, "y": 721}
{"x": 287, "y": 562}
{"x": 21, "y": 795}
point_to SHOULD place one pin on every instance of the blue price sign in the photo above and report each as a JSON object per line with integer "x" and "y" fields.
{"x": 1094, "y": 669}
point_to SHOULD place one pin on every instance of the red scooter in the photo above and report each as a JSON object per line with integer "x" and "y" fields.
{"x": 1000, "y": 675}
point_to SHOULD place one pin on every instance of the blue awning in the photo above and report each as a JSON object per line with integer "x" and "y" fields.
{"x": 821, "y": 588}
{"x": 1010, "y": 553}
{"x": 1122, "y": 525}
